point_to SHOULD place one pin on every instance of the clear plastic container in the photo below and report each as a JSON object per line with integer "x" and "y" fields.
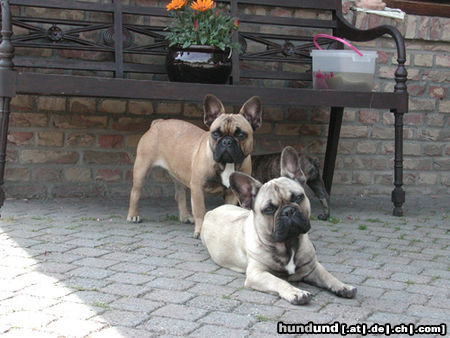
{"x": 343, "y": 69}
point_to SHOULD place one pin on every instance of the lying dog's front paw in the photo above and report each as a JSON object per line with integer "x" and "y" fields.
{"x": 299, "y": 297}
{"x": 134, "y": 219}
{"x": 347, "y": 291}
{"x": 323, "y": 217}
{"x": 196, "y": 235}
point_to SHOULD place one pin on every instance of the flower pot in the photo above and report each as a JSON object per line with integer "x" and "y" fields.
{"x": 201, "y": 64}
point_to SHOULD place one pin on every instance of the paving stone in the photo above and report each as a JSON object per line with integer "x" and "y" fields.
{"x": 232, "y": 320}
{"x": 180, "y": 312}
{"x": 26, "y": 319}
{"x": 73, "y": 310}
{"x": 164, "y": 325}
{"x": 96, "y": 262}
{"x": 171, "y": 272}
{"x": 130, "y": 278}
{"x": 253, "y": 296}
{"x": 170, "y": 284}
{"x": 118, "y": 331}
{"x": 218, "y": 331}
{"x": 135, "y": 304}
{"x": 75, "y": 327}
{"x": 123, "y": 318}
{"x": 213, "y": 303}
{"x": 428, "y": 312}
{"x": 212, "y": 290}
{"x": 91, "y": 272}
{"x": 169, "y": 296}
{"x": 127, "y": 290}
{"x": 211, "y": 278}
{"x": 259, "y": 311}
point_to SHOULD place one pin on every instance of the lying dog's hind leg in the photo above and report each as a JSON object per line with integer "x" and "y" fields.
{"x": 180, "y": 196}
{"x": 322, "y": 278}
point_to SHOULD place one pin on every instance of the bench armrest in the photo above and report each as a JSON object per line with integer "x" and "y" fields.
{"x": 350, "y": 32}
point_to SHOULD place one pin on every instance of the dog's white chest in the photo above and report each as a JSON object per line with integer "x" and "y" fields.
{"x": 225, "y": 175}
{"x": 290, "y": 267}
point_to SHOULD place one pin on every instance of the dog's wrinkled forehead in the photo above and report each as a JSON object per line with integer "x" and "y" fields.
{"x": 228, "y": 123}
{"x": 279, "y": 190}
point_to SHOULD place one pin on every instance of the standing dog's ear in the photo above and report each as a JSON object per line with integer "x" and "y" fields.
{"x": 245, "y": 188}
{"x": 252, "y": 111}
{"x": 290, "y": 165}
{"x": 212, "y": 108}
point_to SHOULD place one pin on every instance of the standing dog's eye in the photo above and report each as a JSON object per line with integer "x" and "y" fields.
{"x": 270, "y": 210}
{"x": 216, "y": 134}
{"x": 297, "y": 198}
{"x": 239, "y": 134}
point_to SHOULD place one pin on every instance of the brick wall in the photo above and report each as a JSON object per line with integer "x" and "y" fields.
{"x": 85, "y": 147}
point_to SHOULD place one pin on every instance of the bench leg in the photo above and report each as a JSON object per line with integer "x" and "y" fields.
{"x": 4, "y": 121}
{"x": 334, "y": 131}
{"x": 398, "y": 194}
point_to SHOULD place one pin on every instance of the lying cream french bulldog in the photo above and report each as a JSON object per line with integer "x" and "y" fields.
{"x": 267, "y": 237}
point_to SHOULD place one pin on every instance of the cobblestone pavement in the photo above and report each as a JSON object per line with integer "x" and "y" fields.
{"x": 76, "y": 268}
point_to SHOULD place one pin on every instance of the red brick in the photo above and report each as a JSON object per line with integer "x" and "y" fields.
{"x": 77, "y": 190}
{"x": 77, "y": 174}
{"x": 272, "y": 113}
{"x": 50, "y": 138}
{"x": 110, "y": 141}
{"x": 415, "y": 164}
{"x": 82, "y": 105}
{"x": 435, "y": 76}
{"x": 437, "y": 92}
{"x": 113, "y": 106}
{"x": 416, "y": 90}
{"x": 11, "y": 156}
{"x": 22, "y": 103}
{"x": 140, "y": 107}
{"x": 34, "y": 156}
{"x": 288, "y": 129}
{"x": 383, "y": 57}
{"x": 47, "y": 174}
{"x": 17, "y": 174}
{"x": 108, "y": 175}
{"x": 20, "y": 138}
{"x": 51, "y": 103}
{"x": 131, "y": 124}
{"x": 432, "y": 150}
{"x": 79, "y": 121}
{"x": 194, "y": 110}
{"x": 441, "y": 163}
{"x": 103, "y": 157}
{"x": 297, "y": 114}
{"x": 80, "y": 140}
{"x": 443, "y": 61}
{"x": 354, "y": 131}
{"x": 423, "y": 30}
{"x": 168, "y": 108}
{"x": 421, "y": 104}
{"x": 414, "y": 118}
{"x": 435, "y": 29}
{"x": 368, "y": 116}
{"x": 28, "y": 120}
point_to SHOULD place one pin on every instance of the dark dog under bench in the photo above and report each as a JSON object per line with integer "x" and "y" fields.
{"x": 38, "y": 25}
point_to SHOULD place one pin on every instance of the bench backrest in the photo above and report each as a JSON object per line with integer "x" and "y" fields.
{"x": 76, "y": 37}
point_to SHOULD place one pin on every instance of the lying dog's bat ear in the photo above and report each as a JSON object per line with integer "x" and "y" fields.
{"x": 290, "y": 165}
{"x": 245, "y": 188}
{"x": 252, "y": 111}
{"x": 212, "y": 108}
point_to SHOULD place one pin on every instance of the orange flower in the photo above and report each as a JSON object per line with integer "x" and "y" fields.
{"x": 176, "y": 4}
{"x": 202, "y": 5}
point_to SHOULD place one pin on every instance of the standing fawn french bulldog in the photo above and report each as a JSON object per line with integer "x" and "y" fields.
{"x": 269, "y": 242}
{"x": 198, "y": 159}
{"x": 267, "y": 167}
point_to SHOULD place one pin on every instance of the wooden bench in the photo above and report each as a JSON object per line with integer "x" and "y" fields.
{"x": 141, "y": 47}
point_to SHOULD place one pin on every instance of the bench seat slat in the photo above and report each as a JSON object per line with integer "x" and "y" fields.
{"x": 33, "y": 83}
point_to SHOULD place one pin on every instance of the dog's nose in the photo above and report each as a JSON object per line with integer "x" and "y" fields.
{"x": 288, "y": 211}
{"x": 226, "y": 141}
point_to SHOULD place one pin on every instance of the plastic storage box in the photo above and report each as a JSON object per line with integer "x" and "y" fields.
{"x": 343, "y": 69}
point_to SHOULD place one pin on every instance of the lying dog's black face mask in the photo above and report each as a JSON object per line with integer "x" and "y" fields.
{"x": 289, "y": 223}
{"x": 228, "y": 151}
